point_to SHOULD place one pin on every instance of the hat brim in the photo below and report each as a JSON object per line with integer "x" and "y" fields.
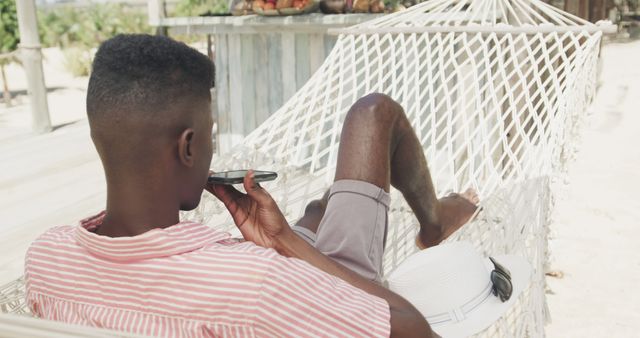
{"x": 492, "y": 309}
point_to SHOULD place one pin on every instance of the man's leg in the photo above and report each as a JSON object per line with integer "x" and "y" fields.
{"x": 438, "y": 218}
{"x": 378, "y": 146}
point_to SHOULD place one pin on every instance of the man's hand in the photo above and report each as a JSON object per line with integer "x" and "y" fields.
{"x": 255, "y": 213}
{"x": 259, "y": 220}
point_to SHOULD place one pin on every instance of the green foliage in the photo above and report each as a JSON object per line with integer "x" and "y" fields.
{"x": 9, "y": 36}
{"x": 198, "y": 7}
{"x": 77, "y": 60}
{"x": 88, "y": 26}
{"x": 79, "y": 30}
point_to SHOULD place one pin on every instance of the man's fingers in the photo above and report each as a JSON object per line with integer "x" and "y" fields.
{"x": 232, "y": 199}
{"x": 254, "y": 189}
{"x": 249, "y": 183}
{"x": 208, "y": 186}
{"x": 225, "y": 193}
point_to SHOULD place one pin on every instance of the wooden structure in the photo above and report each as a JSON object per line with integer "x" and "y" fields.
{"x": 31, "y": 57}
{"x": 592, "y": 10}
{"x": 260, "y": 61}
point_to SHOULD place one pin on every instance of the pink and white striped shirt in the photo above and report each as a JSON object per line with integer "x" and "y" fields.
{"x": 189, "y": 280}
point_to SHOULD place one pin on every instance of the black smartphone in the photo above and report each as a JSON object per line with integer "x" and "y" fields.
{"x": 237, "y": 176}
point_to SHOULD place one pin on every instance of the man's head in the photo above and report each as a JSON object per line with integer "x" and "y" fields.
{"x": 148, "y": 104}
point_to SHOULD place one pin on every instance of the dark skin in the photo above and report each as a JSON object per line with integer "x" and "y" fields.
{"x": 370, "y": 151}
{"x": 167, "y": 176}
{"x": 377, "y": 146}
{"x": 177, "y": 169}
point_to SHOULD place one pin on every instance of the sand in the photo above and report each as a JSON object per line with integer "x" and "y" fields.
{"x": 596, "y": 233}
{"x": 56, "y": 178}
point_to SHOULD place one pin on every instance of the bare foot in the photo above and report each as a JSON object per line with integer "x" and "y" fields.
{"x": 471, "y": 195}
{"x": 455, "y": 211}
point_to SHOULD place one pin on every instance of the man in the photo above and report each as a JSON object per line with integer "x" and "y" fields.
{"x": 136, "y": 268}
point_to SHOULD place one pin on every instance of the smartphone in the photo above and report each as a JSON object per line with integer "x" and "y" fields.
{"x": 237, "y": 176}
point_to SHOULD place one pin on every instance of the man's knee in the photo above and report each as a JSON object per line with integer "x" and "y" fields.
{"x": 375, "y": 108}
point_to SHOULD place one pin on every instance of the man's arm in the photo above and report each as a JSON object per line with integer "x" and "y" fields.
{"x": 406, "y": 320}
{"x": 259, "y": 219}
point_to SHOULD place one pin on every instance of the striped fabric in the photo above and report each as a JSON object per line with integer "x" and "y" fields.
{"x": 189, "y": 280}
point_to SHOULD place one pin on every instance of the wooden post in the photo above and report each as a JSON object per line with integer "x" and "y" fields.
{"x": 578, "y": 7}
{"x": 5, "y": 87}
{"x": 157, "y": 12}
{"x": 31, "y": 57}
{"x": 599, "y": 10}
{"x": 210, "y": 47}
{"x": 584, "y": 9}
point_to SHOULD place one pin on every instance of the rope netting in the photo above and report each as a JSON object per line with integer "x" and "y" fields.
{"x": 495, "y": 90}
{"x": 12, "y": 297}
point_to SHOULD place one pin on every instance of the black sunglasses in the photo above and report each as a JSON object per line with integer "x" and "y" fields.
{"x": 501, "y": 280}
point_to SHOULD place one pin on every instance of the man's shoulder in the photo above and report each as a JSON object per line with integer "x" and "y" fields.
{"x": 60, "y": 233}
{"x": 45, "y": 247}
{"x": 60, "y": 230}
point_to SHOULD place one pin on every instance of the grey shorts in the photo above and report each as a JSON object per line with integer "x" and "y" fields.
{"x": 353, "y": 230}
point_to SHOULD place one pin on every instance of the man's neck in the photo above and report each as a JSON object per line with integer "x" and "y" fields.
{"x": 133, "y": 210}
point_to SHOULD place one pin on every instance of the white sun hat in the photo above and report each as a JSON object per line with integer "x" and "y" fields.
{"x": 451, "y": 285}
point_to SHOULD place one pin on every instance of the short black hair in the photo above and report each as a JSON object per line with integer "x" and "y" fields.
{"x": 144, "y": 73}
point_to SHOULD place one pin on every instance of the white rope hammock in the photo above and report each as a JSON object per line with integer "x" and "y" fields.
{"x": 488, "y": 16}
{"x": 495, "y": 90}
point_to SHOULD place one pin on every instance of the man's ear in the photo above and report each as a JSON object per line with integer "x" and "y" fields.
{"x": 186, "y": 148}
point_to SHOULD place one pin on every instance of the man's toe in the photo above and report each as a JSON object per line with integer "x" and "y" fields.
{"x": 471, "y": 195}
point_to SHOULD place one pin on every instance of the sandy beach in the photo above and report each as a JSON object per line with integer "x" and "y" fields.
{"x": 596, "y": 227}
{"x": 56, "y": 178}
